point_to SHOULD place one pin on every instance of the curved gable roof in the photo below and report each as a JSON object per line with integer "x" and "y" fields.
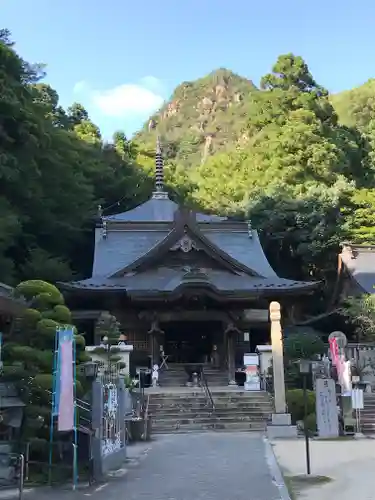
{"x": 121, "y": 248}
{"x": 173, "y": 237}
{"x": 244, "y": 248}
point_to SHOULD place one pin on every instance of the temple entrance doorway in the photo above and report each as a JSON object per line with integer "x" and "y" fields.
{"x": 192, "y": 342}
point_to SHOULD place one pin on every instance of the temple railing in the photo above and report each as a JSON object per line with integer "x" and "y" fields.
{"x": 206, "y": 389}
{"x": 140, "y": 345}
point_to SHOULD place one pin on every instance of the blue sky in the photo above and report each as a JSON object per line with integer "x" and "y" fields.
{"x": 121, "y": 58}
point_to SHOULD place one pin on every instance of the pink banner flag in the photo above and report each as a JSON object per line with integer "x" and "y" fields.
{"x": 66, "y": 404}
{"x": 334, "y": 348}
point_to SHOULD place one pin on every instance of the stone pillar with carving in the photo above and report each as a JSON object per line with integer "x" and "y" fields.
{"x": 281, "y": 421}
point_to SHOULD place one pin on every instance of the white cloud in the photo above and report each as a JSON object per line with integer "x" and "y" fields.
{"x": 127, "y": 98}
{"x": 79, "y": 87}
{"x": 153, "y": 83}
{"x": 135, "y": 99}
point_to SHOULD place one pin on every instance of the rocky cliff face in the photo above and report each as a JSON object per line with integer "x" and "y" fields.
{"x": 202, "y": 117}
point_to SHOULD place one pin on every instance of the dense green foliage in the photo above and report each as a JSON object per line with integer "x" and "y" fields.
{"x": 295, "y": 402}
{"x": 28, "y": 351}
{"x": 297, "y": 161}
{"x": 300, "y": 343}
{"x": 360, "y": 312}
{"x": 303, "y": 344}
{"x": 54, "y": 171}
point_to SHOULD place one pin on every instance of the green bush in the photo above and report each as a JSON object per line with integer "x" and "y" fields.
{"x": 303, "y": 344}
{"x": 311, "y": 422}
{"x": 295, "y": 402}
{"x": 40, "y": 290}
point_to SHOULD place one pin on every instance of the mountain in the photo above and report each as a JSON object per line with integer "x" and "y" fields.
{"x": 201, "y": 118}
{"x": 356, "y": 107}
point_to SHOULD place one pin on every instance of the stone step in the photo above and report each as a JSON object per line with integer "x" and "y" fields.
{"x": 233, "y": 426}
{"x": 265, "y": 408}
{"x": 201, "y": 402}
{"x": 211, "y": 413}
{"x": 220, "y": 395}
{"x": 368, "y": 428}
{"x": 217, "y": 381}
{"x": 218, "y": 409}
{"x": 191, "y": 412}
{"x": 207, "y": 419}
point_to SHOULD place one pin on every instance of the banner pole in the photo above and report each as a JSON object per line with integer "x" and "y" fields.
{"x": 75, "y": 430}
{"x": 53, "y": 405}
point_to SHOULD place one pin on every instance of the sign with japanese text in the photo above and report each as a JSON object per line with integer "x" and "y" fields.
{"x": 326, "y": 408}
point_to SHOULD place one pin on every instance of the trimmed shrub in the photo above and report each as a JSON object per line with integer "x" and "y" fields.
{"x": 311, "y": 422}
{"x": 294, "y": 400}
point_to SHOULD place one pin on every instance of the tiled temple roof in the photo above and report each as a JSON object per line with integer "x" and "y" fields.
{"x": 167, "y": 280}
{"x": 156, "y": 210}
{"x": 359, "y": 261}
{"x": 131, "y": 251}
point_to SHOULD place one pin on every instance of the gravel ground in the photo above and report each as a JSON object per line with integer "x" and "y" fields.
{"x": 349, "y": 463}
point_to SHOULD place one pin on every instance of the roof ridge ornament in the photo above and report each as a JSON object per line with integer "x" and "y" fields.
{"x": 159, "y": 193}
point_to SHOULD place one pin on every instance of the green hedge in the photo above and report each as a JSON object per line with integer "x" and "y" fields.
{"x": 294, "y": 400}
{"x": 311, "y": 422}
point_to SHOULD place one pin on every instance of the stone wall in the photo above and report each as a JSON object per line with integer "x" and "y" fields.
{"x": 363, "y": 356}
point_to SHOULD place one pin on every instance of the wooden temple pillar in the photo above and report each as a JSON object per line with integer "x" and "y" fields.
{"x": 230, "y": 334}
{"x": 155, "y": 341}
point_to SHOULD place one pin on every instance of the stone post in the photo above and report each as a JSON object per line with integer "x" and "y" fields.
{"x": 277, "y": 357}
{"x": 281, "y": 421}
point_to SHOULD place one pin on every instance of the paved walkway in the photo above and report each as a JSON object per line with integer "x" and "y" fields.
{"x": 350, "y": 464}
{"x": 235, "y": 466}
{"x": 208, "y": 466}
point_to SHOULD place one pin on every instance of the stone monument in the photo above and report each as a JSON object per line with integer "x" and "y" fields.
{"x": 281, "y": 420}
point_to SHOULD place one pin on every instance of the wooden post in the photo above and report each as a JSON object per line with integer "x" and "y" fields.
{"x": 154, "y": 335}
{"x": 230, "y": 333}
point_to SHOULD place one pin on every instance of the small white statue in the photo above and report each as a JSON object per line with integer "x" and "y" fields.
{"x": 155, "y": 375}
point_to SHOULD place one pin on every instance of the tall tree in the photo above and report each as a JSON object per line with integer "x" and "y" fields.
{"x": 77, "y": 114}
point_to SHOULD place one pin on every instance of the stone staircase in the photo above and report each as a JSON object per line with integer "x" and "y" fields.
{"x": 184, "y": 412}
{"x": 176, "y": 376}
{"x": 368, "y": 414}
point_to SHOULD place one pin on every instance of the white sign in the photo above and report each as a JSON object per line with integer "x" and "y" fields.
{"x": 357, "y": 399}
{"x": 257, "y": 315}
{"x": 250, "y": 359}
{"x": 326, "y": 408}
{"x": 252, "y": 382}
